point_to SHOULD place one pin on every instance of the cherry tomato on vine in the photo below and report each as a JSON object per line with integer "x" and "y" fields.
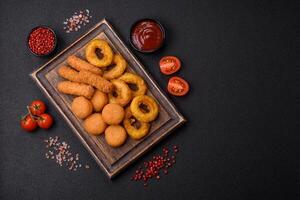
{"x": 37, "y": 107}
{"x": 28, "y": 124}
{"x": 45, "y": 121}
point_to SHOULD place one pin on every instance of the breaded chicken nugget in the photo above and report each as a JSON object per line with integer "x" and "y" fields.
{"x": 68, "y": 73}
{"x": 80, "y": 64}
{"x": 96, "y": 81}
{"x": 79, "y": 89}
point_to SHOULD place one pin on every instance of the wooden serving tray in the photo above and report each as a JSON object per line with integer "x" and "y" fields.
{"x": 112, "y": 160}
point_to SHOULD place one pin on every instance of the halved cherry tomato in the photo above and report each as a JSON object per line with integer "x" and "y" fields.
{"x": 37, "y": 107}
{"x": 169, "y": 64}
{"x": 28, "y": 124}
{"x": 45, "y": 121}
{"x": 178, "y": 86}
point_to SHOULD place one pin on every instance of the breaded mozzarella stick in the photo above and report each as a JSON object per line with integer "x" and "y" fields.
{"x": 80, "y": 64}
{"x": 95, "y": 80}
{"x": 78, "y": 89}
{"x": 68, "y": 73}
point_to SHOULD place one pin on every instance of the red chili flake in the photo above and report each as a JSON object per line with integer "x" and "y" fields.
{"x": 154, "y": 168}
{"x": 41, "y": 41}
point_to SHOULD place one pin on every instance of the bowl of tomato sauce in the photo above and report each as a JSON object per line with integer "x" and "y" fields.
{"x": 147, "y": 35}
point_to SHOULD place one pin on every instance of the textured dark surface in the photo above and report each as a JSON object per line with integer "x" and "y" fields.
{"x": 242, "y": 137}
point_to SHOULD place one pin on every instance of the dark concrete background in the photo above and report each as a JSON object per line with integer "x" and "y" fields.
{"x": 241, "y": 140}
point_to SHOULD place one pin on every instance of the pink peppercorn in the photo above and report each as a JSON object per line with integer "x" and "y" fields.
{"x": 158, "y": 165}
{"x": 41, "y": 41}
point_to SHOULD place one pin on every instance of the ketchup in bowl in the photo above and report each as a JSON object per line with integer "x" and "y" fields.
{"x": 147, "y": 35}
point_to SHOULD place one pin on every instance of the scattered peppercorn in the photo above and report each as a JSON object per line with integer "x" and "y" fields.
{"x": 60, "y": 152}
{"x": 154, "y": 168}
{"x": 41, "y": 41}
{"x": 78, "y": 19}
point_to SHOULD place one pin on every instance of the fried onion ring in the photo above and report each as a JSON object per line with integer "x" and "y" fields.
{"x": 137, "y": 81}
{"x": 135, "y": 129}
{"x": 106, "y": 51}
{"x": 144, "y": 108}
{"x": 119, "y": 68}
{"x": 121, "y": 94}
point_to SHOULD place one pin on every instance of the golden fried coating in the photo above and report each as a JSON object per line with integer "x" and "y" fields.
{"x": 144, "y": 108}
{"x": 117, "y": 70}
{"x": 68, "y": 73}
{"x": 95, "y": 80}
{"x": 106, "y": 51}
{"x": 81, "y": 107}
{"x": 113, "y": 114}
{"x": 121, "y": 94}
{"x": 115, "y": 135}
{"x": 99, "y": 100}
{"x": 140, "y": 87}
{"x": 135, "y": 128}
{"x": 80, "y": 64}
{"x": 73, "y": 88}
{"x": 94, "y": 124}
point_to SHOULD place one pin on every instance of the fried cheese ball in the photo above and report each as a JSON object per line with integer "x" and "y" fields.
{"x": 99, "y": 100}
{"x": 106, "y": 51}
{"x": 73, "y": 88}
{"x": 81, "y": 107}
{"x": 113, "y": 114}
{"x": 119, "y": 68}
{"x": 115, "y": 135}
{"x": 94, "y": 124}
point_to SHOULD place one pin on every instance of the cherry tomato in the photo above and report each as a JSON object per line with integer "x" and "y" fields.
{"x": 178, "y": 86}
{"x": 45, "y": 121}
{"x": 37, "y": 107}
{"x": 169, "y": 64}
{"x": 28, "y": 124}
